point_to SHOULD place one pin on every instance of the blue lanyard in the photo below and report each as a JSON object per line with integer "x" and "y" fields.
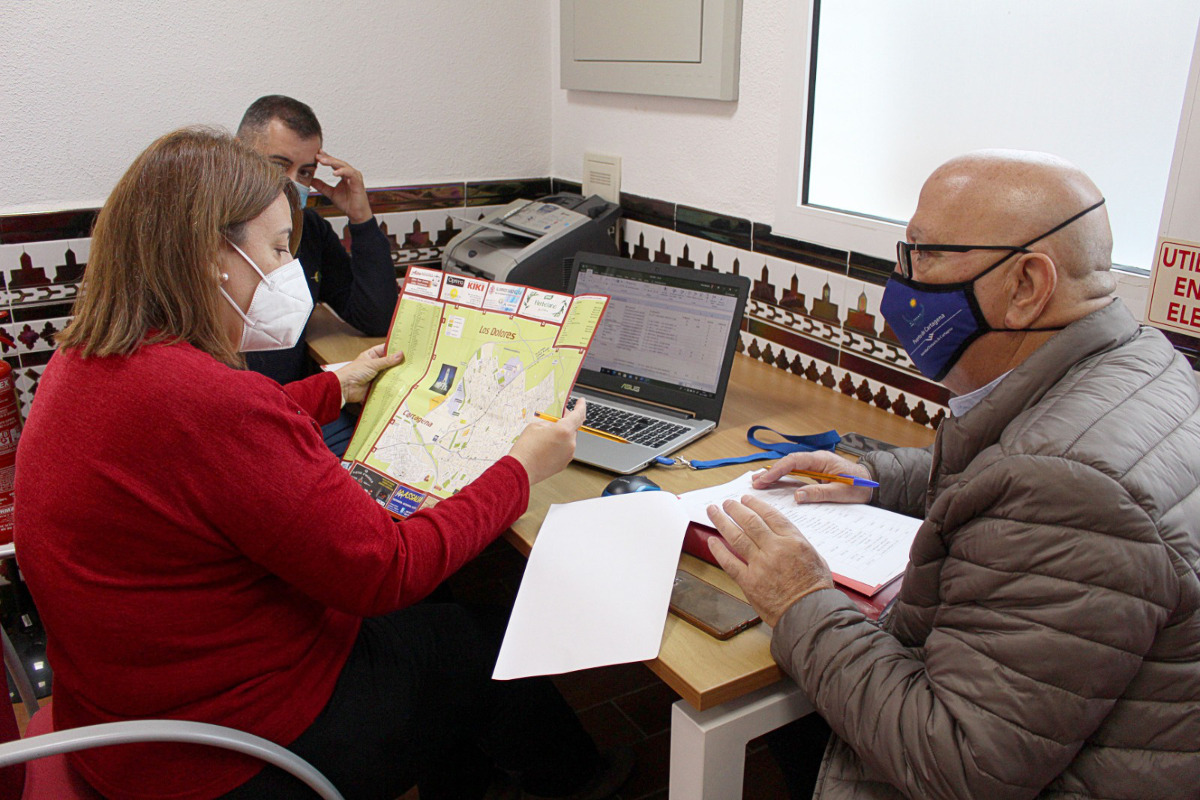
{"x": 790, "y": 444}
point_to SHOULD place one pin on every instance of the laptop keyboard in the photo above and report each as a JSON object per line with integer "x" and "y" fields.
{"x": 636, "y": 428}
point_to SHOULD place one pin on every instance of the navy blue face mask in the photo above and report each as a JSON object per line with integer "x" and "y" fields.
{"x": 937, "y": 322}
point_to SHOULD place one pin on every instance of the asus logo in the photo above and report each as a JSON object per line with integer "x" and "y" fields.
{"x": 629, "y": 387}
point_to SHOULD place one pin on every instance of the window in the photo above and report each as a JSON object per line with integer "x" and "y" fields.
{"x": 883, "y": 92}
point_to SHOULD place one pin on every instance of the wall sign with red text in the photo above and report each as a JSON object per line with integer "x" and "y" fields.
{"x": 1174, "y": 298}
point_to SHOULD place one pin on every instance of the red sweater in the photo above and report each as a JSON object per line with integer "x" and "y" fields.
{"x": 196, "y": 552}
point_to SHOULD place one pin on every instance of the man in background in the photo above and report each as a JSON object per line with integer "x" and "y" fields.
{"x": 1046, "y": 639}
{"x": 359, "y": 286}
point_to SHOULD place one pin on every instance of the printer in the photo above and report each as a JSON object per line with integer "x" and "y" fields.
{"x": 534, "y": 242}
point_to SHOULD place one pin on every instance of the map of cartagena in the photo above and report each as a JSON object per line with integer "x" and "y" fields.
{"x": 481, "y": 359}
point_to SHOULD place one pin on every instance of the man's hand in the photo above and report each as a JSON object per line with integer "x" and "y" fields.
{"x": 544, "y": 448}
{"x": 774, "y": 564}
{"x": 350, "y": 193}
{"x": 356, "y": 376}
{"x": 819, "y": 461}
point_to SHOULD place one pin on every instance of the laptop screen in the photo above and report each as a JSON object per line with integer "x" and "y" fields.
{"x": 668, "y": 332}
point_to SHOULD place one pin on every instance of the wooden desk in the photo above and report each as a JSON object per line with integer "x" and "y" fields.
{"x": 332, "y": 340}
{"x": 703, "y": 670}
{"x": 732, "y": 690}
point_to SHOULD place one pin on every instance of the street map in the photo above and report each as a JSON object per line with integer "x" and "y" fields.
{"x": 480, "y": 360}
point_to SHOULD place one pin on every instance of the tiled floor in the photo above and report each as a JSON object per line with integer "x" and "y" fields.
{"x": 619, "y": 705}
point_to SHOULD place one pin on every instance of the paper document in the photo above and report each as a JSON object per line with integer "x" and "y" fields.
{"x": 480, "y": 360}
{"x": 866, "y": 547}
{"x": 597, "y": 586}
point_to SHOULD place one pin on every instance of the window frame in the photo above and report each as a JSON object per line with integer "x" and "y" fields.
{"x": 876, "y": 237}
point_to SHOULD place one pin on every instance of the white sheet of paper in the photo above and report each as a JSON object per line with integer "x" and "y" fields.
{"x": 862, "y": 544}
{"x": 597, "y": 585}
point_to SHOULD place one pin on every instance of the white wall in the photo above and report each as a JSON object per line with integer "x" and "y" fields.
{"x": 406, "y": 90}
{"x": 720, "y": 156}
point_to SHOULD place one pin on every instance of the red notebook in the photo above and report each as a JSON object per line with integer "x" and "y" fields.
{"x": 695, "y": 543}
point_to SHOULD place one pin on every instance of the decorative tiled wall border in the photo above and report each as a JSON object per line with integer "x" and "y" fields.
{"x": 814, "y": 309}
{"x": 43, "y": 256}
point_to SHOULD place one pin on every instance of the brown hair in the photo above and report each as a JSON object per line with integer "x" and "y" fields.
{"x": 296, "y": 116}
{"x": 152, "y": 273}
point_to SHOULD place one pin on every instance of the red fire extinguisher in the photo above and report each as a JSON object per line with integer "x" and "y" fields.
{"x": 10, "y": 432}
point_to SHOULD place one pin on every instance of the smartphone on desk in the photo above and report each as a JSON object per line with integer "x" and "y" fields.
{"x": 712, "y": 610}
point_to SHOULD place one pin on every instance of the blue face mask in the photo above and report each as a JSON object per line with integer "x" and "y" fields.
{"x": 303, "y": 191}
{"x": 937, "y": 322}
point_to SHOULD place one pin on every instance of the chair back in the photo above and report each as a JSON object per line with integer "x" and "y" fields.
{"x": 50, "y": 776}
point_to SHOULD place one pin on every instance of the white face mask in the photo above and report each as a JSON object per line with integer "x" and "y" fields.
{"x": 278, "y": 310}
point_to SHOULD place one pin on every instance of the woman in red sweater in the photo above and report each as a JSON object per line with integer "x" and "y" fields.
{"x": 196, "y": 552}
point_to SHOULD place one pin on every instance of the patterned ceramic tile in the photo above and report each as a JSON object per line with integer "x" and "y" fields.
{"x": 794, "y": 360}
{"x": 884, "y": 394}
{"x": 652, "y": 243}
{"x": 905, "y": 380}
{"x": 812, "y": 295}
{"x": 36, "y": 335}
{"x": 35, "y": 312}
{"x": 815, "y": 255}
{"x": 716, "y": 227}
{"x": 869, "y": 269}
{"x": 636, "y": 239}
{"x": 26, "y": 380}
{"x": 561, "y": 186}
{"x": 717, "y": 257}
{"x": 861, "y": 312}
{"x": 37, "y": 358}
{"x": 400, "y": 198}
{"x": 10, "y": 258}
{"x": 82, "y": 249}
{"x": 22, "y": 228}
{"x": 811, "y": 366}
{"x": 815, "y": 310}
{"x": 648, "y": 210}
{"x": 9, "y": 347}
{"x": 779, "y": 332}
{"x": 491, "y": 193}
{"x": 867, "y": 334}
{"x": 41, "y": 272}
{"x": 417, "y": 198}
{"x": 669, "y": 247}
{"x": 34, "y": 295}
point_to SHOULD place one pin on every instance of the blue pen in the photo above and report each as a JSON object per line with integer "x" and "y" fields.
{"x": 823, "y": 476}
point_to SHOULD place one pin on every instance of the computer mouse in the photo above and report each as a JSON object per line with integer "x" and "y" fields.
{"x": 630, "y": 483}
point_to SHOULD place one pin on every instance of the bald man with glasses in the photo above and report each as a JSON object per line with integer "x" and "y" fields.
{"x": 1046, "y": 640}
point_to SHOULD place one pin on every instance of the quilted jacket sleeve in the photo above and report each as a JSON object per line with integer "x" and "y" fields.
{"x": 903, "y": 477}
{"x": 1046, "y": 611}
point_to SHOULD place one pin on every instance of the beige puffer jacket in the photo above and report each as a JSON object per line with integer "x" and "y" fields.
{"x": 1046, "y": 641}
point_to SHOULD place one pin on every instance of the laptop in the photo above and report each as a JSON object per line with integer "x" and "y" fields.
{"x": 658, "y": 366}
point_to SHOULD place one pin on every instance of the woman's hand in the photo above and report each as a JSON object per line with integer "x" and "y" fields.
{"x": 356, "y": 376}
{"x": 819, "y": 461}
{"x": 545, "y": 448}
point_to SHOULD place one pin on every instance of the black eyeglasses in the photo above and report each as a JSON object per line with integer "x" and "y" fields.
{"x": 904, "y": 250}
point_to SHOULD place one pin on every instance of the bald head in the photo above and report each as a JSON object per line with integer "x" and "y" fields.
{"x": 1011, "y": 196}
